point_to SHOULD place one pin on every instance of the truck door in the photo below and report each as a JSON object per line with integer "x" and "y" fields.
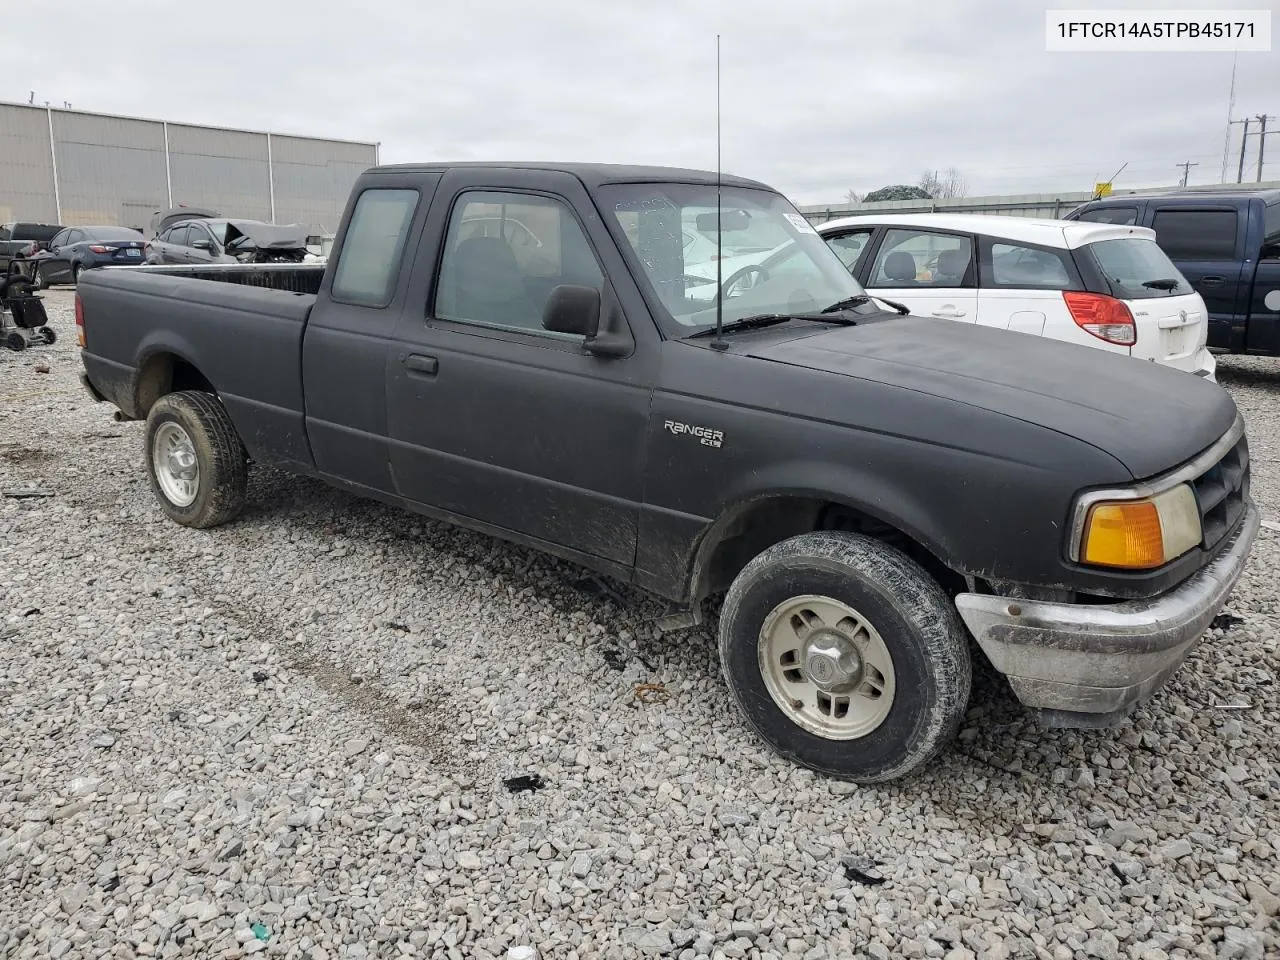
{"x": 490, "y": 416}
{"x": 348, "y": 335}
{"x": 1262, "y": 278}
{"x": 1205, "y": 240}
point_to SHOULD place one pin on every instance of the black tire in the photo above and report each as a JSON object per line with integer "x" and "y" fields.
{"x": 919, "y": 627}
{"x": 15, "y": 342}
{"x": 40, "y": 280}
{"x": 75, "y": 272}
{"x": 219, "y": 455}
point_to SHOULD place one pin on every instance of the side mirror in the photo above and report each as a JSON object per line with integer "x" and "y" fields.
{"x": 578, "y": 310}
{"x": 572, "y": 309}
{"x": 203, "y": 245}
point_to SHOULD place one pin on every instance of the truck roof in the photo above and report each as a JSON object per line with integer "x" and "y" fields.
{"x": 1266, "y": 195}
{"x": 591, "y": 174}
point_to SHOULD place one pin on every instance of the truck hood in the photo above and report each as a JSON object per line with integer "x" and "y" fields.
{"x": 1149, "y": 417}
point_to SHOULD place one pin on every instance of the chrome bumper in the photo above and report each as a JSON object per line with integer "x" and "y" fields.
{"x": 1089, "y": 665}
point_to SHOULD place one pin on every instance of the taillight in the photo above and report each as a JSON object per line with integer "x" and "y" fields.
{"x": 99, "y": 248}
{"x": 79, "y": 320}
{"x": 1104, "y": 317}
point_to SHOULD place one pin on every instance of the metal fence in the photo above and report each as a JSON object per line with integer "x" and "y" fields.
{"x": 1052, "y": 206}
{"x": 79, "y": 168}
{"x": 290, "y": 277}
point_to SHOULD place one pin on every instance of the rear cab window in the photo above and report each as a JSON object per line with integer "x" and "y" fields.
{"x": 1196, "y": 234}
{"x": 373, "y": 247}
{"x": 1137, "y": 269}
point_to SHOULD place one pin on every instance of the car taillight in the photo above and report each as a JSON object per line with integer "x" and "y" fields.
{"x": 99, "y": 248}
{"x": 79, "y": 320}
{"x": 1104, "y": 317}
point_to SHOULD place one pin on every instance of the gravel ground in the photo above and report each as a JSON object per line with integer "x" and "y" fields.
{"x": 290, "y": 736}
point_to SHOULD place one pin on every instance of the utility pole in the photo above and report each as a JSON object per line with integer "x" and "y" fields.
{"x": 1261, "y": 133}
{"x": 1244, "y": 138}
{"x": 1262, "y": 141}
{"x": 1186, "y": 169}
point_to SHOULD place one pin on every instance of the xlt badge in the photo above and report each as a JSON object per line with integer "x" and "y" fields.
{"x": 712, "y": 438}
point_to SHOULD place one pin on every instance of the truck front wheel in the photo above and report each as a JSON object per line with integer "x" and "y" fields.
{"x": 195, "y": 460}
{"x": 845, "y": 656}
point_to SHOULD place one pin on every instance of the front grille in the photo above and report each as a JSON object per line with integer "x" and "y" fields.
{"x": 1221, "y": 492}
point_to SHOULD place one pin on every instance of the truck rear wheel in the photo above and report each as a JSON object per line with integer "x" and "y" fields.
{"x": 845, "y": 656}
{"x": 195, "y": 460}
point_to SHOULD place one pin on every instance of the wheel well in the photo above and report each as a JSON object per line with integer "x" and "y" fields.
{"x": 164, "y": 373}
{"x": 753, "y": 528}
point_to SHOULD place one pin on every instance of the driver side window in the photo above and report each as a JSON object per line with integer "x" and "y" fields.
{"x": 504, "y": 255}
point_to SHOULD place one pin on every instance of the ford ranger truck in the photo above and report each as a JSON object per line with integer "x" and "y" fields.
{"x": 527, "y": 350}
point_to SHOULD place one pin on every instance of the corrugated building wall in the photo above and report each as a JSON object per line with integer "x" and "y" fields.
{"x": 73, "y": 167}
{"x": 26, "y": 166}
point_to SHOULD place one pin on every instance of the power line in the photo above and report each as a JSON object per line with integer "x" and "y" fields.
{"x": 1186, "y": 166}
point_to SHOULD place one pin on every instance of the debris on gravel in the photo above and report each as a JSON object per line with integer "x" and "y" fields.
{"x": 295, "y": 736}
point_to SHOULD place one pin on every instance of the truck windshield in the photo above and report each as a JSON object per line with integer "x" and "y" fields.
{"x": 771, "y": 260}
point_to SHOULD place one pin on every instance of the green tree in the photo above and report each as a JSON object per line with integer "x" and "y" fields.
{"x": 899, "y": 191}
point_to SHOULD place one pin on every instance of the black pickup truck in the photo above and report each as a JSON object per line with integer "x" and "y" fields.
{"x": 525, "y": 350}
{"x": 1226, "y": 244}
{"x": 20, "y": 241}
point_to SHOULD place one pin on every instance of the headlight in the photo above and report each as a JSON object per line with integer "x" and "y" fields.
{"x": 1141, "y": 534}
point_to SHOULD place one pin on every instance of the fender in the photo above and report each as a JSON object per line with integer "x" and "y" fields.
{"x": 154, "y": 343}
{"x": 809, "y": 480}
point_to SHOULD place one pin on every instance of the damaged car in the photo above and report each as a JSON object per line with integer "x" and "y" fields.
{"x": 221, "y": 240}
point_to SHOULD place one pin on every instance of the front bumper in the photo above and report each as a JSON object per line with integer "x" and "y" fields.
{"x": 1088, "y": 665}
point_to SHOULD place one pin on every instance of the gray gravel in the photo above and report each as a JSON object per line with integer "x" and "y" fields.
{"x": 289, "y": 736}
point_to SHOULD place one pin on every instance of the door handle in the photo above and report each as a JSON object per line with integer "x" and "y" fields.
{"x": 420, "y": 364}
{"x": 1212, "y": 281}
{"x": 949, "y": 313}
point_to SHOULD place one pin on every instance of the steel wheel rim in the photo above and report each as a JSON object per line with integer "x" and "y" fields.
{"x": 173, "y": 458}
{"x": 826, "y": 667}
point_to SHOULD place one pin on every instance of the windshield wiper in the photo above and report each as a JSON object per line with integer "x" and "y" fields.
{"x": 769, "y": 319}
{"x": 862, "y": 298}
{"x": 746, "y": 323}
{"x": 1169, "y": 284}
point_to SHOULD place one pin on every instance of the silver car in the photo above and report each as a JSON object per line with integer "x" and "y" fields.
{"x": 219, "y": 240}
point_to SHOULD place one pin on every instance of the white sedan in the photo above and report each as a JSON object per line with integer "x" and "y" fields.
{"x": 1101, "y": 285}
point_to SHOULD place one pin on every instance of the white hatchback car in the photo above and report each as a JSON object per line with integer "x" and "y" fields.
{"x": 1101, "y": 285}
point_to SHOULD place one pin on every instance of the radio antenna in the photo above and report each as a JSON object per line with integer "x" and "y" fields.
{"x": 718, "y": 342}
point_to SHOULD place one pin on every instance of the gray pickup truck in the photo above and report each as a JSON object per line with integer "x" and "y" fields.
{"x": 527, "y": 350}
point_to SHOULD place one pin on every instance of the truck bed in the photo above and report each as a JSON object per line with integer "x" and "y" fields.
{"x": 246, "y": 334}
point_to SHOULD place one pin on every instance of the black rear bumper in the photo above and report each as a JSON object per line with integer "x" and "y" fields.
{"x": 90, "y": 388}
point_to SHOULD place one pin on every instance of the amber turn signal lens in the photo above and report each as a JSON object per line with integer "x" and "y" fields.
{"x": 1124, "y": 535}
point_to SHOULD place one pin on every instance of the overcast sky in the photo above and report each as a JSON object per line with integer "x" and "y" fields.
{"x": 818, "y": 96}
